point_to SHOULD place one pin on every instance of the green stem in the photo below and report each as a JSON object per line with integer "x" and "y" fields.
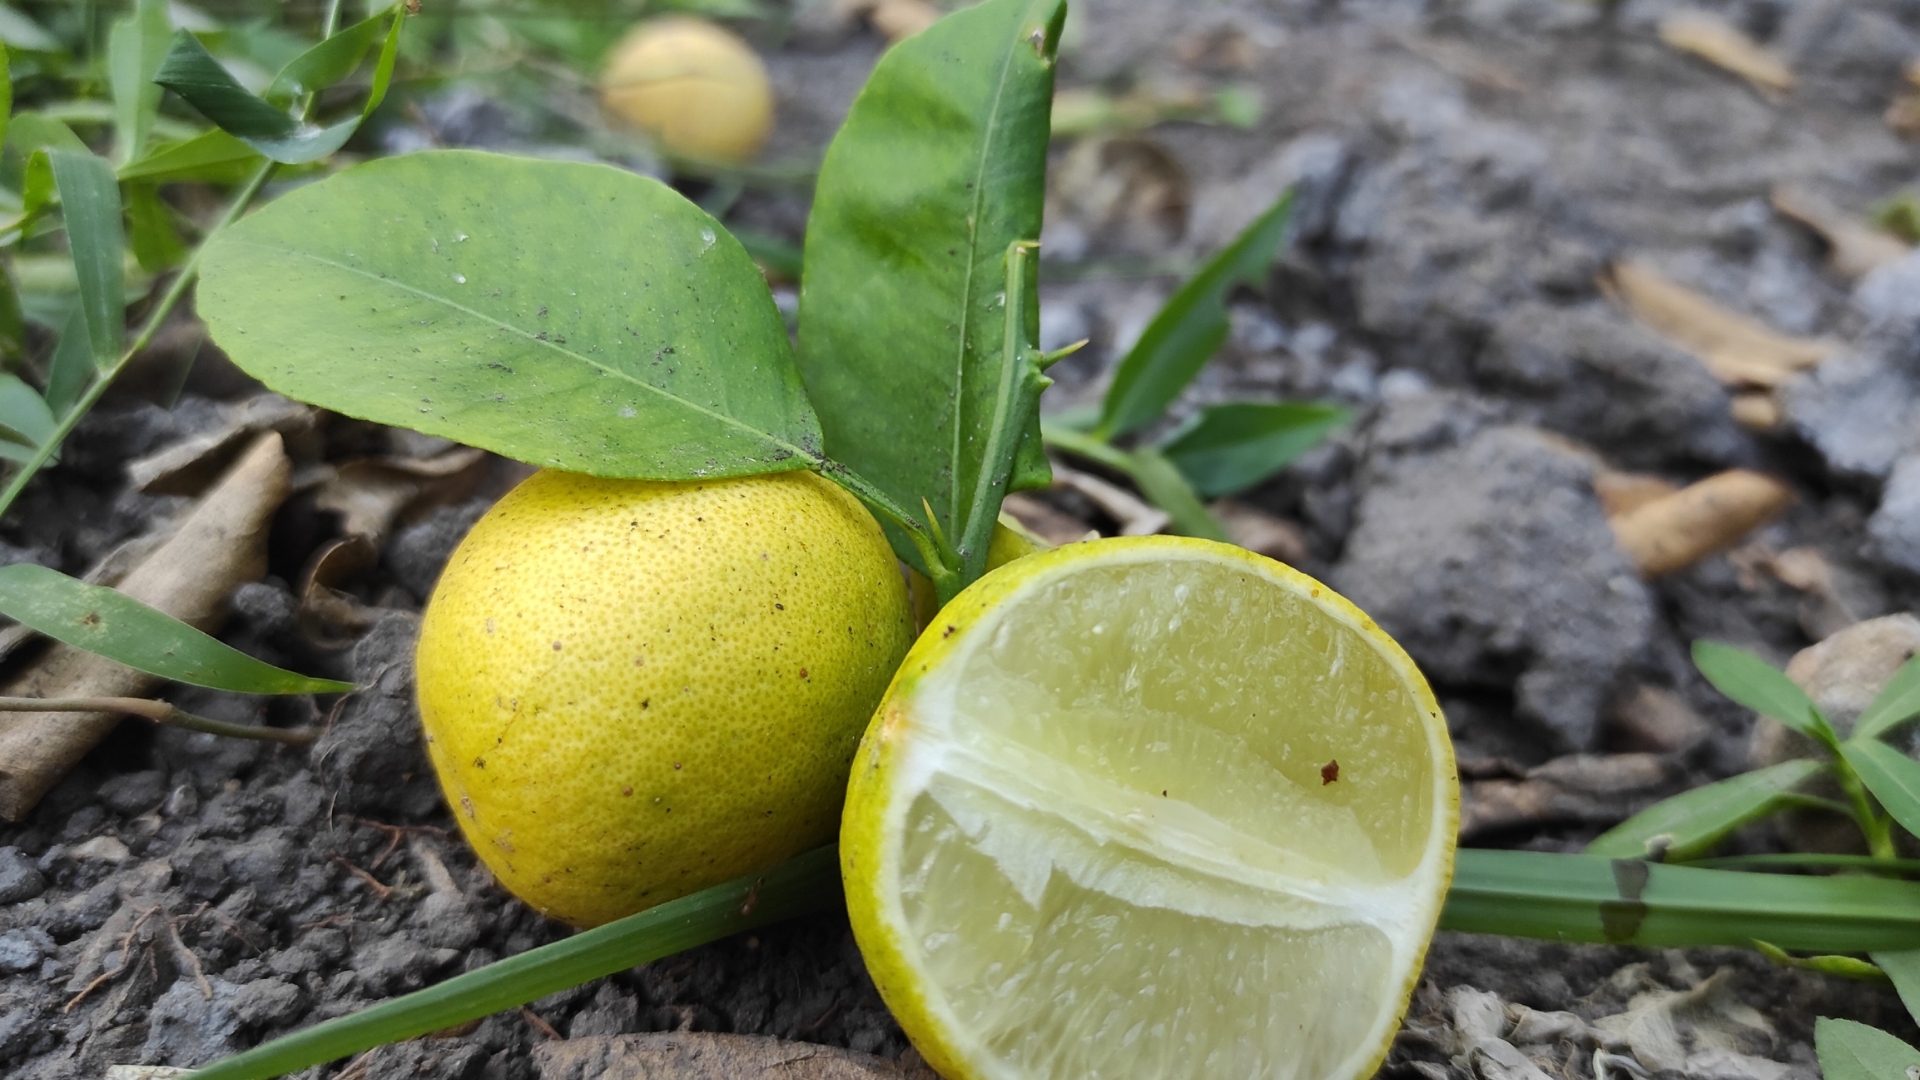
{"x": 1016, "y": 398}
{"x": 171, "y": 298}
{"x": 941, "y": 565}
{"x": 160, "y": 713}
{"x": 1873, "y": 825}
{"x": 1150, "y": 471}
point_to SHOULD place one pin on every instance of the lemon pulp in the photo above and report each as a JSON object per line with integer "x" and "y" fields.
{"x": 1151, "y": 808}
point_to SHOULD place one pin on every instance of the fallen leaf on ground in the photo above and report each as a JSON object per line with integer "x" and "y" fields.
{"x": 1134, "y": 516}
{"x": 1648, "y": 719}
{"x": 1056, "y": 527}
{"x": 1714, "y": 38}
{"x": 1677, "y": 1030}
{"x": 1590, "y": 789}
{"x": 1854, "y": 247}
{"x": 221, "y": 545}
{"x": 1620, "y": 492}
{"x": 188, "y": 466}
{"x": 1262, "y": 533}
{"x": 1699, "y": 520}
{"x": 1737, "y": 349}
{"x": 700, "y": 1055}
{"x": 1757, "y": 410}
{"x": 372, "y": 493}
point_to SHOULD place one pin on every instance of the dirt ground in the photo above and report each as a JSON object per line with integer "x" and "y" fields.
{"x": 1468, "y": 171}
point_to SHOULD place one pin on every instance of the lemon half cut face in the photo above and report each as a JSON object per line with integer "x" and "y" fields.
{"x": 1150, "y": 808}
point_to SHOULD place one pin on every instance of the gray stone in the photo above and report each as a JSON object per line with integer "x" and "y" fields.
{"x": 23, "y": 949}
{"x": 1591, "y": 373}
{"x": 135, "y": 793}
{"x": 1895, "y": 526}
{"x": 1485, "y": 553}
{"x": 1860, "y": 409}
{"x": 398, "y": 964}
{"x": 269, "y": 1003}
{"x": 187, "y": 1028}
{"x": 371, "y": 758}
{"x": 417, "y": 552}
{"x": 19, "y": 880}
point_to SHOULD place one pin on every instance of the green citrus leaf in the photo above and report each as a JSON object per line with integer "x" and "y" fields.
{"x": 120, "y": 628}
{"x": 568, "y": 315}
{"x": 940, "y": 167}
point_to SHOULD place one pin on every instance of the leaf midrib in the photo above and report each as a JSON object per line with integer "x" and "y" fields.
{"x": 955, "y": 486}
{"x": 504, "y": 324}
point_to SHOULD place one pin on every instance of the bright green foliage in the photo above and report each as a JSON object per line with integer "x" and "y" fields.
{"x": 1759, "y": 686}
{"x": 90, "y": 200}
{"x": 1223, "y": 449}
{"x": 1892, "y": 777}
{"x": 135, "y": 48}
{"x": 111, "y": 624}
{"x": 1228, "y": 448}
{"x": 573, "y": 316}
{"x": 1850, "y": 1051}
{"x": 1186, "y": 333}
{"x": 1897, "y": 702}
{"x": 1693, "y": 822}
{"x": 941, "y": 166}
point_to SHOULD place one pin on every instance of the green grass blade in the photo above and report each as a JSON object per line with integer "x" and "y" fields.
{"x": 1695, "y": 821}
{"x": 1185, "y": 333}
{"x": 799, "y": 886}
{"x": 1903, "y": 967}
{"x": 1628, "y": 902}
{"x": 1893, "y": 777}
{"x": 90, "y": 201}
{"x": 1897, "y": 702}
{"x": 1759, "y": 686}
{"x": 109, "y": 623}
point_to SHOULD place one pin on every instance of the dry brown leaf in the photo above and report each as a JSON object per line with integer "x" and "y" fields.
{"x": 1758, "y": 411}
{"x": 1700, "y": 519}
{"x": 1262, "y": 533}
{"x": 1595, "y": 789}
{"x": 1053, "y": 526}
{"x": 188, "y": 466}
{"x": 1737, "y": 349}
{"x": 700, "y": 1055}
{"x": 1715, "y": 39}
{"x": 1134, "y": 516}
{"x": 1651, "y": 720}
{"x": 1620, "y": 492}
{"x": 220, "y": 546}
{"x": 1903, "y": 115}
{"x": 371, "y": 494}
{"x": 1853, "y": 246}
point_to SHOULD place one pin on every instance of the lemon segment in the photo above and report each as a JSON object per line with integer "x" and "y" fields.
{"x": 1150, "y": 808}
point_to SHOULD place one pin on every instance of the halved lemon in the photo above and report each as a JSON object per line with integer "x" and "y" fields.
{"x": 1150, "y": 808}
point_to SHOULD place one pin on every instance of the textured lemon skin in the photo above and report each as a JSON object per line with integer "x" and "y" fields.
{"x": 864, "y": 833}
{"x": 695, "y": 86}
{"x": 634, "y": 690}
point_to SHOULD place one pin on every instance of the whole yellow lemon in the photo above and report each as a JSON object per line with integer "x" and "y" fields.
{"x": 694, "y": 86}
{"x": 634, "y": 690}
